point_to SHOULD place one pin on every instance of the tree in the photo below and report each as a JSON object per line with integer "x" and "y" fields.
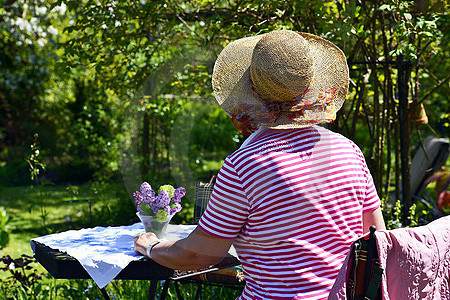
{"x": 157, "y": 58}
{"x": 26, "y": 42}
{"x": 77, "y": 119}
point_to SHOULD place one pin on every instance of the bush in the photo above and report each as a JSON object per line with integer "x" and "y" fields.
{"x": 15, "y": 173}
{"x": 4, "y": 228}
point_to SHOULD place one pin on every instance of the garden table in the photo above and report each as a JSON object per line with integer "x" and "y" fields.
{"x": 54, "y": 258}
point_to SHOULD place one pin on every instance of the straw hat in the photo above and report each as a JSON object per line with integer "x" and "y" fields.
{"x": 282, "y": 79}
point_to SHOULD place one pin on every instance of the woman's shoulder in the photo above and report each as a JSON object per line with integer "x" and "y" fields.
{"x": 338, "y": 137}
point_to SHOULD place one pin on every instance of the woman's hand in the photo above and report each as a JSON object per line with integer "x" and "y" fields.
{"x": 142, "y": 241}
{"x": 198, "y": 250}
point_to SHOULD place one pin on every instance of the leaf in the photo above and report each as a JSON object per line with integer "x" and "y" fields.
{"x": 55, "y": 4}
{"x": 426, "y": 33}
{"x": 385, "y": 7}
{"x": 4, "y": 239}
{"x": 146, "y": 210}
{"x": 408, "y": 16}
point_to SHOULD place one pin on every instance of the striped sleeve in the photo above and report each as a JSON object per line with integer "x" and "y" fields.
{"x": 372, "y": 201}
{"x": 228, "y": 207}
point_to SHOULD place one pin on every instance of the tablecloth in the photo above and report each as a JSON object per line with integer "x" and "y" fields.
{"x": 105, "y": 251}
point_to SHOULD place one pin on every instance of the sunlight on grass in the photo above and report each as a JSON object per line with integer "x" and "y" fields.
{"x": 37, "y": 212}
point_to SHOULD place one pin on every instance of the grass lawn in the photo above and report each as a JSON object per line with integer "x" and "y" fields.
{"x": 41, "y": 211}
{"x": 50, "y": 209}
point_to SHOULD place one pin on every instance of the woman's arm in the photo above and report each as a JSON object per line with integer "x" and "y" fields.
{"x": 374, "y": 217}
{"x": 197, "y": 251}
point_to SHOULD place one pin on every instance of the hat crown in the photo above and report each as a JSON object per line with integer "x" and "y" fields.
{"x": 282, "y": 79}
{"x": 282, "y": 66}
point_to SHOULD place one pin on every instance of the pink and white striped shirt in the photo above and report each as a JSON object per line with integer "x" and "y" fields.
{"x": 293, "y": 201}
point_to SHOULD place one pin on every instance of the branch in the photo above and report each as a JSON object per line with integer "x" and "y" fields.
{"x": 8, "y": 4}
{"x": 184, "y": 22}
{"x": 433, "y": 89}
{"x": 431, "y": 74}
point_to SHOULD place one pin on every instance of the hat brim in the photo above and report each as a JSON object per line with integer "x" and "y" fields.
{"x": 232, "y": 84}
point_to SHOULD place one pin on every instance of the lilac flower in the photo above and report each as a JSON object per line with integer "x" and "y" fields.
{"x": 165, "y": 203}
{"x": 138, "y": 199}
{"x": 161, "y": 201}
{"x": 154, "y": 208}
{"x": 149, "y": 197}
{"x": 164, "y": 199}
{"x": 146, "y": 188}
{"x": 174, "y": 208}
{"x": 167, "y": 209}
{"x": 145, "y": 195}
{"x": 178, "y": 194}
{"x": 168, "y": 188}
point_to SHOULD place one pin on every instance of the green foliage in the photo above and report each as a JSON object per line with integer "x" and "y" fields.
{"x": 37, "y": 95}
{"x": 95, "y": 133}
{"x": 393, "y": 215}
{"x": 34, "y": 162}
{"x": 73, "y": 190}
{"x": 413, "y": 24}
{"x": 35, "y": 167}
{"x": 413, "y": 218}
{"x": 393, "y": 218}
{"x": 4, "y": 228}
{"x": 23, "y": 278}
{"x": 48, "y": 288}
{"x": 110, "y": 84}
{"x": 161, "y": 55}
{"x": 27, "y": 43}
{"x": 146, "y": 210}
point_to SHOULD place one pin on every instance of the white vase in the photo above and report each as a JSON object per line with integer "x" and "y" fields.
{"x": 153, "y": 225}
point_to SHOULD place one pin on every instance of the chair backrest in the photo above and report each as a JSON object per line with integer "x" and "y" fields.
{"x": 364, "y": 274}
{"x": 412, "y": 263}
{"x": 429, "y": 157}
{"x": 203, "y": 192}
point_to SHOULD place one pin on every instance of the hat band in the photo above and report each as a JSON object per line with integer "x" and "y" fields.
{"x": 317, "y": 110}
{"x": 312, "y": 111}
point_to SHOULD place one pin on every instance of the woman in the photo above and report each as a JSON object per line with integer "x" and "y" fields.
{"x": 295, "y": 196}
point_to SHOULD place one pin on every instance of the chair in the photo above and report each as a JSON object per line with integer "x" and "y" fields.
{"x": 365, "y": 272}
{"x": 227, "y": 273}
{"x": 429, "y": 156}
{"x": 403, "y": 263}
{"x": 203, "y": 192}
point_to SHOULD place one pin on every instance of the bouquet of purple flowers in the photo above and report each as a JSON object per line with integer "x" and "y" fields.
{"x": 159, "y": 206}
